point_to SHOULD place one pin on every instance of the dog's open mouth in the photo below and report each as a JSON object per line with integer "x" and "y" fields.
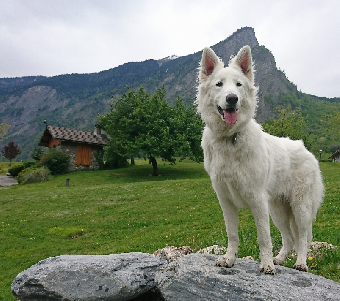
{"x": 229, "y": 115}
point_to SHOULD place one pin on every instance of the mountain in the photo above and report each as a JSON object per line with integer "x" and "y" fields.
{"x": 74, "y": 100}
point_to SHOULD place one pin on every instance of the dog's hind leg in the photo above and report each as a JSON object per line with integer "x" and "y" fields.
{"x": 295, "y": 232}
{"x": 303, "y": 220}
{"x": 307, "y": 194}
{"x": 281, "y": 213}
{"x": 230, "y": 214}
{"x": 261, "y": 216}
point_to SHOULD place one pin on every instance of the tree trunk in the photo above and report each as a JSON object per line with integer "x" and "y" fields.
{"x": 132, "y": 160}
{"x": 154, "y": 165}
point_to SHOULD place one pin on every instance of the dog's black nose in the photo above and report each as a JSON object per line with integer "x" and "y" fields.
{"x": 231, "y": 99}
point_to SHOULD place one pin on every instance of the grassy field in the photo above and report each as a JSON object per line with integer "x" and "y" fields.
{"x": 126, "y": 210}
{"x": 4, "y": 166}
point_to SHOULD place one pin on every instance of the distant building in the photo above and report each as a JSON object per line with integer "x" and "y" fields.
{"x": 336, "y": 156}
{"x": 81, "y": 146}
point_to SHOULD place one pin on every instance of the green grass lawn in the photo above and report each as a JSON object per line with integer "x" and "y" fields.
{"x": 126, "y": 210}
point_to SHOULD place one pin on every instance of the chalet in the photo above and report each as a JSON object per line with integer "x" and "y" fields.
{"x": 336, "y": 156}
{"x": 82, "y": 147}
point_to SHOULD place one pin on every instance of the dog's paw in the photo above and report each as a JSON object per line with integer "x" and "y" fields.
{"x": 278, "y": 260}
{"x": 224, "y": 261}
{"x": 267, "y": 268}
{"x": 301, "y": 267}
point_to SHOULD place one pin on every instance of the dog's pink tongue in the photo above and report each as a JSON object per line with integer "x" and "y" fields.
{"x": 230, "y": 117}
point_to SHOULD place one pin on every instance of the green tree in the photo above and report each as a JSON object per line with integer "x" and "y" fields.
{"x": 140, "y": 123}
{"x": 187, "y": 128}
{"x": 3, "y": 129}
{"x": 333, "y": 125}
{"x": 288, "y": 123}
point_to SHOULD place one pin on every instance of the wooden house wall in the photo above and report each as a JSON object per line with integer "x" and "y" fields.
{"x": 53, "y": 142}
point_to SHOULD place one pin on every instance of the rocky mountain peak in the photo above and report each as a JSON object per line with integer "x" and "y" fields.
{"x": 244, "y": 36}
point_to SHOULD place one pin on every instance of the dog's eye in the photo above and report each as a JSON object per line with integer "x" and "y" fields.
{"x": 238, "y": 84}
{"x": 219, "y": 84}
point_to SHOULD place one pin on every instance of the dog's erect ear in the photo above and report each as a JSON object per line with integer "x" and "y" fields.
{"x": 209, "y": 63}
{"x": 244, "y": 61}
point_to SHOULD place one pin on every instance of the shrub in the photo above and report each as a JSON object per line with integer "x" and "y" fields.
{"x": 15, "y": 170}
{"x": 99, "y": 155}
{"x": 37, "y": 153}
{"x": 56, "y": 161}
{"x": 34, "y": 175}
{"x": 28, "y": 164}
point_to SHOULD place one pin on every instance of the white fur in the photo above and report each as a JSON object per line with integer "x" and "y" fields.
{"x": 250, "y": 168}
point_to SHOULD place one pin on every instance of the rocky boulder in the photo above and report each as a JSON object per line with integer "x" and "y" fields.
{"x": 196, "y": 277}
{"x": 88, "y": 277}
{"x": 145, "y": 277}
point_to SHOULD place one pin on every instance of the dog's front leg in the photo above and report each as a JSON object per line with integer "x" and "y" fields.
{"x": 230, "y": 214}
{"x": 261, "y": 216}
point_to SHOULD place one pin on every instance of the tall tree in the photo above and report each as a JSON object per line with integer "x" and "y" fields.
{"x": 288, "y": 123}
{"x": 142, "y": 123}
{"x": 10, "y": 151}
{"x": 333, "y": 124}
{"x": 3, "y": 129}
{"x": 37, "y": 153}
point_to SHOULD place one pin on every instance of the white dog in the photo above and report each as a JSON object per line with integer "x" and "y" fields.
{"x": 250, "y": 168}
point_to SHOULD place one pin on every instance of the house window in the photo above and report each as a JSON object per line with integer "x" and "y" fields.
{"x": 83, "y": 155}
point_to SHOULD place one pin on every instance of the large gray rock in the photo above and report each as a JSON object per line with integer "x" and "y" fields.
{"x": 196, "y": 277}
{"x": 88, "y": 277}
{"x": 144, "y": 277}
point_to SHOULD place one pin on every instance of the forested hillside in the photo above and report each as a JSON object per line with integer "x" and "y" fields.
{"x": 74, "y": 100}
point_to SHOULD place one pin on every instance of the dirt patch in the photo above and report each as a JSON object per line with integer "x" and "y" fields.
{"x": 6, "y": 181}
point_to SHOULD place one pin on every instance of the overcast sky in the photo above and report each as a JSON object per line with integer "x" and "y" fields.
{"x": 52, "y": 37}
